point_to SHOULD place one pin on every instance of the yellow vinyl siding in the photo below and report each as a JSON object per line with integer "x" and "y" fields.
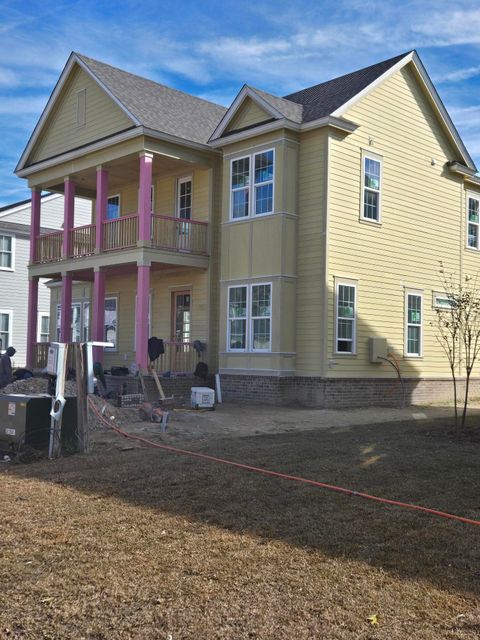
{"x": 61, "y": 133}
{"x": 421, "y": 223}
{"x": 247, "y": 115}
{"x": 310, "y": 307}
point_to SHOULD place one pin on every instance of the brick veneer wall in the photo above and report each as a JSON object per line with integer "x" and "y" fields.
{"x": 179, "y": 387}
{"x": 338, "y": 392}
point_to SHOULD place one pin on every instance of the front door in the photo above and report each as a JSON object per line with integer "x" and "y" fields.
{"x": 181, "y": 331}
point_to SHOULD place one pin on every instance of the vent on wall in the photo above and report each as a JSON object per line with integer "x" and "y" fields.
{"x": 81, "y": 107}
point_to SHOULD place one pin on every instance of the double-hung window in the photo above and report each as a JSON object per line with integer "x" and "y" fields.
{"x": 473, "y": 235}
{"x": 252, "y": 195}
{"x": 5, "y": 330}
{"x": 413, "y": 323}
{"x": 345, "y": 317}
{"x": 6, "y": 252}
{"x": 371, "y": 186}
{"x": 43, "y": 327}
{"x": 250, "y": 318}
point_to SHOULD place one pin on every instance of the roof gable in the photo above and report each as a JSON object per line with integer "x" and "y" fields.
{"x": 249, "y": 114}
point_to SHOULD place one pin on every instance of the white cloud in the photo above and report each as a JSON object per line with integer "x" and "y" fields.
{"x": 460, "y": 75}
{"x": 24, "y": 105}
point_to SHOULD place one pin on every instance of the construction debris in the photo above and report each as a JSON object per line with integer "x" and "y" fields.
{"x": 33, "y": 386}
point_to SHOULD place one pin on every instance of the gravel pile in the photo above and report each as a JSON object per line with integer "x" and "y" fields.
{"x": 32, "y": 386}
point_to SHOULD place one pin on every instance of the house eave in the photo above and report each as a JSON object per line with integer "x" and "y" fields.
{"x": 342, "y": 124}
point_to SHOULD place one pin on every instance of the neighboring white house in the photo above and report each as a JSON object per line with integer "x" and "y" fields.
{"x": 14, "y": 257}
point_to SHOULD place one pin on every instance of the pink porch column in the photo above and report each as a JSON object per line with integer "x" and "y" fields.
{"x": 144, "y": 198}
{"x": 101, "y": 205}
{"x": 32, "y": 320}
{"x": 141, "y": 316}
{"x": 35, "y": 222}
{"x": 66, "y": 309}
{"x": 68, "y": 216}
{"x": 98, "y": 320}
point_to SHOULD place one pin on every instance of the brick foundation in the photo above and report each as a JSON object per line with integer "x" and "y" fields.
{"x": 179, "y": 387}
{"x": 331, "y": 393}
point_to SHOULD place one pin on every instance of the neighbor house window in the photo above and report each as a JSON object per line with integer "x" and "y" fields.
{"x": 184, "y": 198}
{"x": 250, "y": 317}
{"x": 113, "y": 207}
{"x": 5, "y": 330}
{"x": 43, "y": 327}
{"x": 6, "y": 252}
{"x": 80, "y": 320}
{"x": 237, "y": 318}
{"x": 371, "y": 185}
{"x": 473, "y": 239}
{"x": 110, "y": 323}
{"x": 244, "y": 202}
{"x": 413, "y": 329}
{"x": 345, "y": 318}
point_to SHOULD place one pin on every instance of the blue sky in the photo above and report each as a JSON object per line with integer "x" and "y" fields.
{"x": 211, "y": 48}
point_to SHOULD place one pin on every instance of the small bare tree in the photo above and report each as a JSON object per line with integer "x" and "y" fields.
{"x": 458, "y": 332}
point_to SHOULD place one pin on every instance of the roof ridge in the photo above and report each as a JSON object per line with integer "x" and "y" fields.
{"x": 350, "y": 73}
{"x": 86, "y": 59}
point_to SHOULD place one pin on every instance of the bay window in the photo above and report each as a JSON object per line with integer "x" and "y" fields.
{"x": 252, "y": 195}
{"x": 249, "y": 318}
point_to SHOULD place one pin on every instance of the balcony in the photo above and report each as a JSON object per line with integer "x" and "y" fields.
{"x": 167, "y": 233}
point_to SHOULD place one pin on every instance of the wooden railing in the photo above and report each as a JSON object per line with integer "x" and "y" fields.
{"x": 82, "y": 241}
{"x": 172, "y": 234}
{"x": 179, "y": 357}
{"x": 120, "y": 233}
{"x": 40, "y": 355}
{"x": 179, "y": 234}
{"x": 48, "y": 247}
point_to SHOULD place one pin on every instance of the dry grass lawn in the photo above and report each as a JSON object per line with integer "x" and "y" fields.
{"x": 144, "y": 544}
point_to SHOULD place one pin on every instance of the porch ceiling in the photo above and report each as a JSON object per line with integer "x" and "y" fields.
{"x": 122, "y": 171}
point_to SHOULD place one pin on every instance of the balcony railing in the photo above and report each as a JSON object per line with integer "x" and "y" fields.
{"x": 179, "y": 357}
{"x": 48, "y": 247}
{"x": 179, "y": 234}
{"x": 167, "y": 233}
{"x": 120, "y": 233}
{"x": 82, "y": 241}
{"x": 40, "y": 356}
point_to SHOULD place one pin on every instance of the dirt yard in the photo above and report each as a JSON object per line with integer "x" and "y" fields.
{"x": 131, "y": 542}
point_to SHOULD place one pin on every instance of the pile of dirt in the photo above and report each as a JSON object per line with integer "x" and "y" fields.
{"x": 32, "y": 386}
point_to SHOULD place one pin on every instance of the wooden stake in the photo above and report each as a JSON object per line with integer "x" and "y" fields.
{"x": 82, "y": 411}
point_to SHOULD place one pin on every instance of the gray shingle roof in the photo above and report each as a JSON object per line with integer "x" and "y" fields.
{"x": 289, "y": 109}
{"x": 22, "y": 229}
{"x": 323, "y": 99}
{"x": 159, "y": 107}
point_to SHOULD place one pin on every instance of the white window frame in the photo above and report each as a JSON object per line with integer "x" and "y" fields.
{"x": 354, "y": 284}
{"x": 9, "y": 313}
{"x": 247, "y": 304}
{"x": 115, "y": 195}
{"x": 111, "y": 297}
{"x": 367, "y": 155}
{"x": 251, "y": 187}
{"x": 418, "y": 293}
{"x": 81, "y": 302}
{"x": 42, "y": 314}
{"x": 252, "y": 317}
{"x": 249, "y": 318}
{"x": 438, "y": 305}
{"x": 180, "y": 181}
{"x": 472, "y": 196}
{"x": 12, "y": 252}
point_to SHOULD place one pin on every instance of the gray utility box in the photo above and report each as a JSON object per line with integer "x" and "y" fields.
{"x": 26, "y": 420}
{"x": 378, "y": 349}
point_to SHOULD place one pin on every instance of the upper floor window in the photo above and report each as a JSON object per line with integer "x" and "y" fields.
{"x": 346, "y": 318}
{"x": 413, "y": 324}
{"x": 113, "y": 207}
{"x": 371, "y": 186}
{"x": 6, "y": 252}
{"x": 184, "y": 198}
{"x": 473, "y": 239}
{"x": 244, "y": 201}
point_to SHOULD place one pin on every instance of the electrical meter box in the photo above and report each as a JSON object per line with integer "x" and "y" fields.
{"x": 202, "y": 398}
{"x": 378, "y": 349}
{"x": 26, "y": 420}
{"x": 52, "y": 358}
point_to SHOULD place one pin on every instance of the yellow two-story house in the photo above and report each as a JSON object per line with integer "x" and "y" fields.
{"x": 291, "y": 243}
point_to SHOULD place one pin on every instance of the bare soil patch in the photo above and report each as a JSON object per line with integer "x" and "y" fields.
{"x": 130, "y": 542}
